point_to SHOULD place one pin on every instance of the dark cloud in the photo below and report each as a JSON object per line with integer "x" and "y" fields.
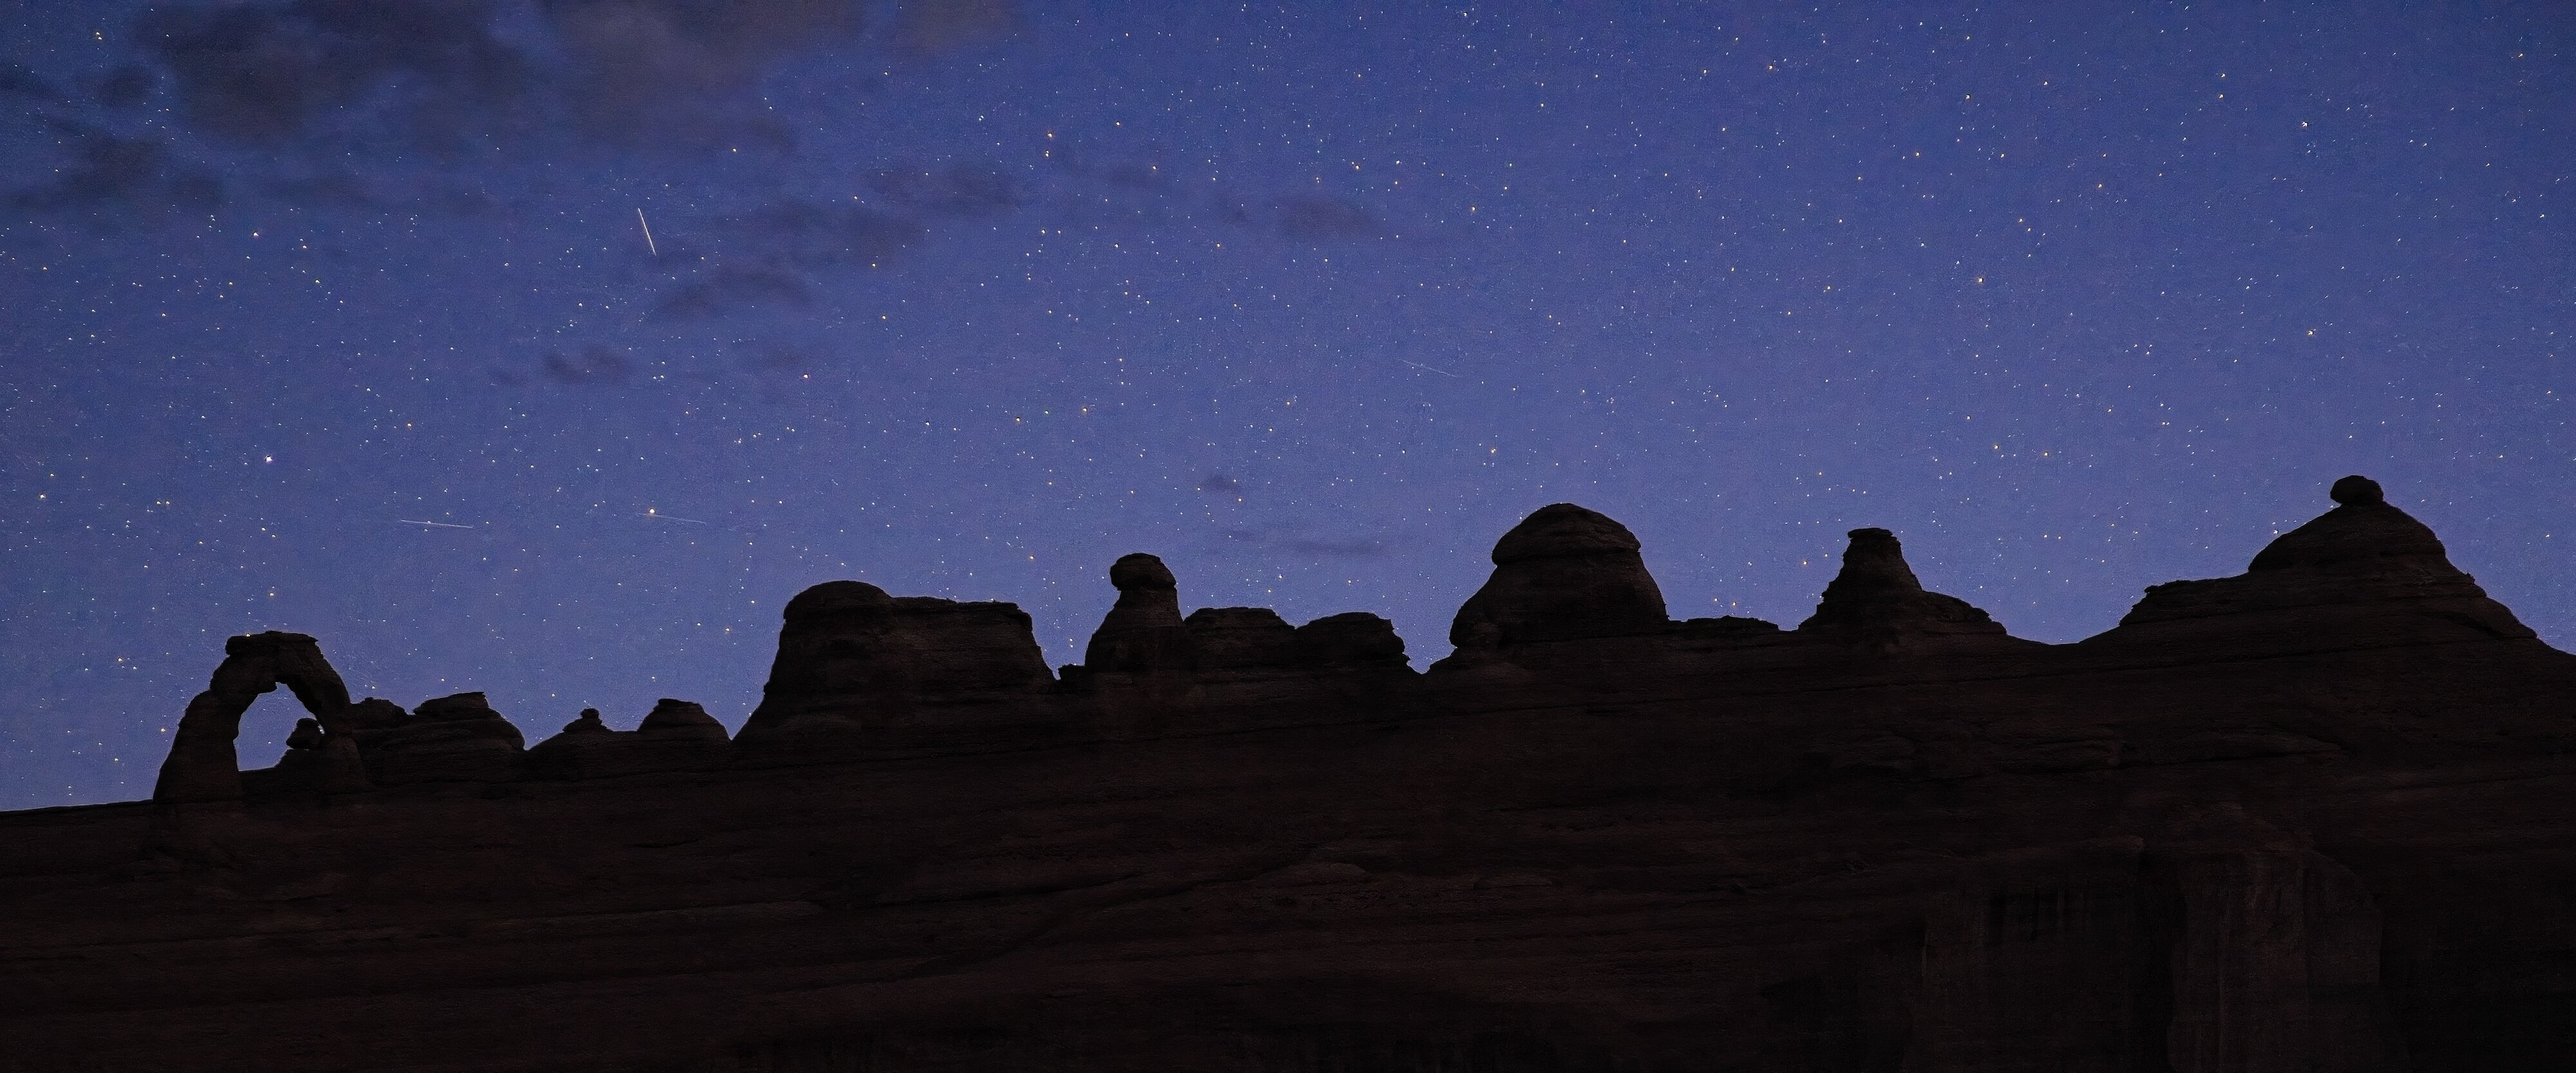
{"x": 816, "y": 234}
{"x": 1322, "y": 547}
{"x": 761, "y": 258}
{"x": 732, "y": 288}
{"x": 338, "y": 189}
{"x": 125, "y": 87}
{"x": 1220, "y": 484}
{"x": 651, "y": 71}
{"x": 669, "y": 73}
{"x": 17, "y": 81}
{"x": 961, "y": 190}
{"x": 109, "y": 172}
{"x": 1337, "y": 549}
{"x": 267, "y": 73}
{"x": 783, "y": 358}
{"x": 1313, "y": 217}
{"x": 594, "y": 364}
{"x": 931, "y": 26}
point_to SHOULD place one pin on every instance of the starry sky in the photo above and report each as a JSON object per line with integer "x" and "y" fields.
{"x": 343, "y": 318}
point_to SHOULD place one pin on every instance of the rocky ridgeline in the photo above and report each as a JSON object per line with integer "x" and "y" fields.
{"x": 2317, "y": 816}
{"x": 860, "y": 671}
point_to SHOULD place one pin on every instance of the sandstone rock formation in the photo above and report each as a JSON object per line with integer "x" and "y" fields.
{"x": 1564, "y": 573}
{"x": 1144, "y": 631}
{"x": 2315, "y": 817}
{"x": 851, "y": 657}
{"x": 1877, "y": 601}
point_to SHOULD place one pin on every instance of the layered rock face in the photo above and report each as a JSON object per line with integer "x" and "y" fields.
{"x": 2316, "y": 817}
{"x": 850, "y": 657}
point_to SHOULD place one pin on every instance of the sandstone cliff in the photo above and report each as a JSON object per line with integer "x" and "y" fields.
{"x": 2320, "y": 816}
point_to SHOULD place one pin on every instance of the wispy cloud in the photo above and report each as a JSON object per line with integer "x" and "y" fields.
{"x": 1357, "y": 547}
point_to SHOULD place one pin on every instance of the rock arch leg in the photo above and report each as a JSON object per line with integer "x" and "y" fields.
{"x": 202, "y": 765}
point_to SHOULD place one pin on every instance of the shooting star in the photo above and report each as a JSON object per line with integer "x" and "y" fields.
{"x": 659, "y": 516}
{"x": 423, "y": 521}
{"x": 1426, "y": 368}
{"x": 648, "y": 233}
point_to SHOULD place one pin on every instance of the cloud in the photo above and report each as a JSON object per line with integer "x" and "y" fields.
{"x": 961, "y": 190}
{"x": 733, "y": 288}
{"x": 442, "y": 73}
{"x": 125, "y": 87}
{"x": 1338, "y": 549}
{"x": 1322, "y": 547}
{"x": 267, "y": 73}
{"x": 109, "y": 172}
{"x": 333, "y": 188}
{"x": 1313, "y": 217}
{"x": 816, "y": 234}
{"x": 595, "y": 364}
{"x": 656, "y": 70}
{"x": 762, "y": 258}
{"x": 931, "y": 26}
{"x": 17, "y": 81}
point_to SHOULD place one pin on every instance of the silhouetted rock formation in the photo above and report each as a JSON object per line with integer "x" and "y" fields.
{"x": 1877, "y": 601}
{"x": 851, "y": 656}
{"x": 1241, "y": 638}
{"x": 456, "y": 737}
{"x": 1563, "y": 574}
{"x": 2364, "y": 573}
{"x": 1144, "y": 632}
{"x": 1354, "y": 639}
{"x": 201, "y": 765}
{"x": 2313, "y": 818}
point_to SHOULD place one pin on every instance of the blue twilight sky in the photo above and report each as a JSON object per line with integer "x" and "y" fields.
{"x": 341, "y": 317}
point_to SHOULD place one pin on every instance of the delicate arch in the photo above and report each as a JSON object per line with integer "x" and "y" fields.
{"x": 202, "y": 765}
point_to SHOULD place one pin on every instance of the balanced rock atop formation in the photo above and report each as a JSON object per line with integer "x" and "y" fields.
{"x": 1563, "y": 574}
{"x": 1876, "y": 600}
{"x": 1144, "y": 632}
{"x": 2365, "y": 572}
{"x": 847, "y": 652}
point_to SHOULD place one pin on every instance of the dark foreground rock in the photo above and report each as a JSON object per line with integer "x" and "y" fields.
{"x": 2320, "y": 816}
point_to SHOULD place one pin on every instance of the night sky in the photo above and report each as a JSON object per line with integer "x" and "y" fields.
{"x": 341, "y": 317}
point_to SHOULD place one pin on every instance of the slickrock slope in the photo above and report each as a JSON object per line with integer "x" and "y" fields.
{"x": 2319, "y": 817}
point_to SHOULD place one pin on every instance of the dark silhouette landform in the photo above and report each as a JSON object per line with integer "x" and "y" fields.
{"x": 2319, "y": 816}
